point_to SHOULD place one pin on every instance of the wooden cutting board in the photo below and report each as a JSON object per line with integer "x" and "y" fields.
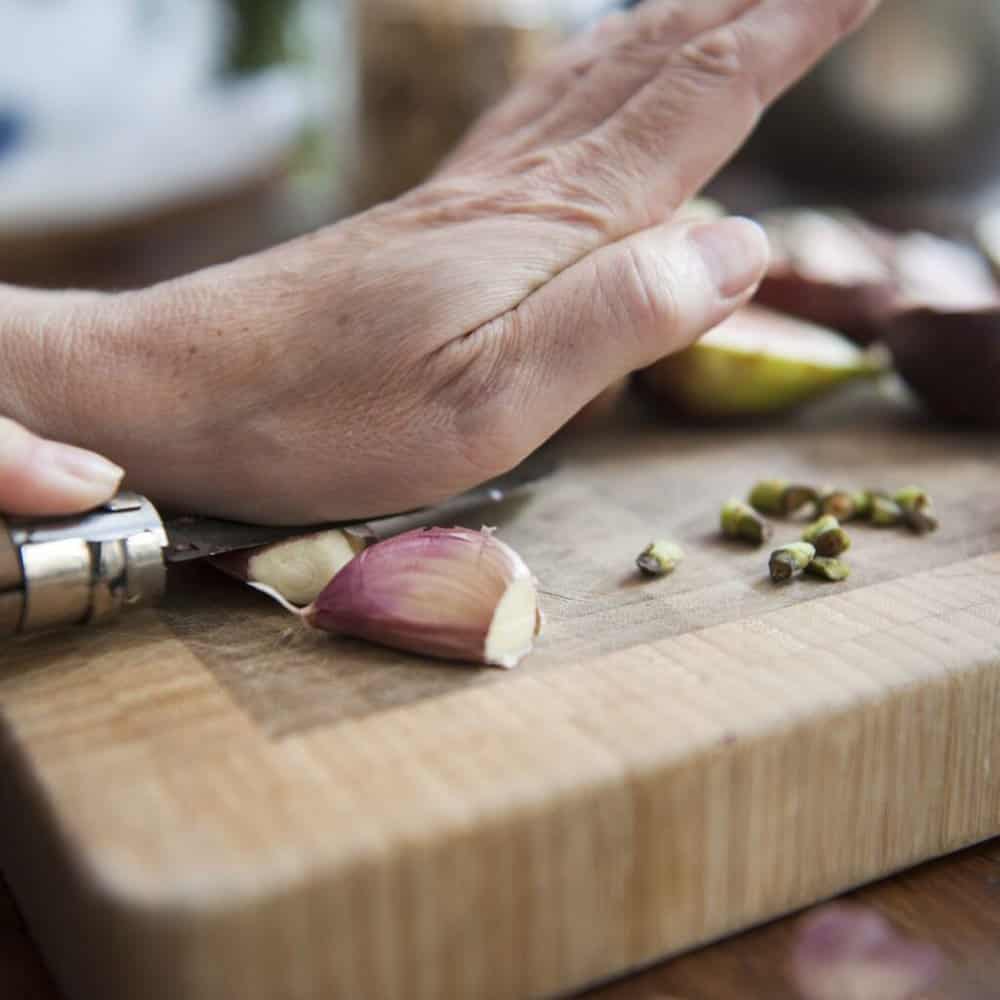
{"x": 206, "y": 801}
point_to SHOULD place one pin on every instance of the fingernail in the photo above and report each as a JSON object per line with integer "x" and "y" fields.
{"x": 77, "y": 468}
{"x": 736, "y": 253}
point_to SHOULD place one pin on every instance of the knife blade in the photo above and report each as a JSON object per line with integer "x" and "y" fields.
{"x": 58, "y": 572}
{"x": 191, "y": 538}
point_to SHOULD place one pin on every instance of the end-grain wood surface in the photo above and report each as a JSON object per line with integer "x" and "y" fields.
{"x": 954, "y": 903}
{"x": 212, "y": 802}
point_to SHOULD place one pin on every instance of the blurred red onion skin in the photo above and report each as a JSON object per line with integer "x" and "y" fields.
{"x": 850, "y": 952}
{"x": 951, "y": 360}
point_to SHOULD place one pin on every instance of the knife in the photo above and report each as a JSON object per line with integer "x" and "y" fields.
{"x": 88, "y": 570}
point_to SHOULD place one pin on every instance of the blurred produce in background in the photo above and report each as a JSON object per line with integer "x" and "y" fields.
{"x": 429, "y": 68}
{"x": 901, "y": 123}
{"x": 878, "y": 178}
{"x": 182, "y": 133}
{"x": 187, "y": 132}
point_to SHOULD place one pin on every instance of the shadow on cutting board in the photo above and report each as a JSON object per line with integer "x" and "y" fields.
{"x": 581, "y": 531}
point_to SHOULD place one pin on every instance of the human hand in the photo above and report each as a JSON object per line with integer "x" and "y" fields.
{"x": 39, "y": 478}
{"x": 433, "y": 342}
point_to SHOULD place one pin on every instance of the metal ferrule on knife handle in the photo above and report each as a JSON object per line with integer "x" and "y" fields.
{"x": 77, "y": 571}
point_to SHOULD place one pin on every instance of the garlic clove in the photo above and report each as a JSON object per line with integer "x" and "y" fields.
{"x": 445, "y": 592}
{"x": 297, "y": 569}
{"x": 516, "y": 622}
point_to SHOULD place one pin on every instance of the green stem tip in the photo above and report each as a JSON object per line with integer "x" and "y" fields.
{"x": 828, "y": 537}
{"x": 741, "y": 521}
{"x": 790, "y": 560}
{"x": 779, "y": 498}
{"x": 886, "y": 513}
{"x": 845, "y": 505}
{"x": 918, "y": 510}
{"x": 826, "y": 568}
{"x": 659, "y": 558}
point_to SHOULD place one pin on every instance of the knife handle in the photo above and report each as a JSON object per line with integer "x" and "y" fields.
{"x": 58, "y": 572}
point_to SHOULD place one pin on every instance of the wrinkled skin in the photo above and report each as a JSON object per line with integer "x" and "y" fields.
{"x": 414, "y": 350}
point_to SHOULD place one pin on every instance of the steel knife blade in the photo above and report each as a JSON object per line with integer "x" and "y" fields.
{"x": 89, "y": 569}
{"x": 191, "y": 538}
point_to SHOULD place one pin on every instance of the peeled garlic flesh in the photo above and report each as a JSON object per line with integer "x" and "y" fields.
{"x": 297, "y": 569}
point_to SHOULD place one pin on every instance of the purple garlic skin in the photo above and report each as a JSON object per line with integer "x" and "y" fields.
{"x": 450, "y": 593}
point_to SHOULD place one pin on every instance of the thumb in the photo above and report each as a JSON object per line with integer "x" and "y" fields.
{"x": 41, "y": 478}
{"x": 624, "y": 307}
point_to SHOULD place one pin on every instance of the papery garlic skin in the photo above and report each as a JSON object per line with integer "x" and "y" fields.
{"x": 445, "y": 592}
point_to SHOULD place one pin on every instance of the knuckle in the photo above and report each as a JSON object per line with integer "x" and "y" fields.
{"x": 577, "y": 71}
{"x": 723, "y": 58}
{"x": 718, "y": 55}
{"x": 639, "y": 290}
{"x": 659, "y": 24}
{"x": 651, "y": 292}
{"x": 565, "y": 185}
{"x": 571, "y": 185}
{"x": 568, "y": 72}
{"x": 653, "y": 36}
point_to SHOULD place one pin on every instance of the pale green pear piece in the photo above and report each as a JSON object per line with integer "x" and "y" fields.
{"x": 758, "y": 363}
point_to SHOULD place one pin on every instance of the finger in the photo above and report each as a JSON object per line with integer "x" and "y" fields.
{"x": 618, "y": 310}
{"x": 592, "y": 77}
{"x": 42, "y": 478}
{"x": 499, "y": 128}
{"x": 627, "y": 63}
{"x": 679, "y": 129}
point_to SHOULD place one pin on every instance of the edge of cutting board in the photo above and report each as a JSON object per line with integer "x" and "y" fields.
{"x": 514, "y": 839}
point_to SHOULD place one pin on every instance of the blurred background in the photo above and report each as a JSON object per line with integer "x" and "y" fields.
{"x": 140, "y": 139}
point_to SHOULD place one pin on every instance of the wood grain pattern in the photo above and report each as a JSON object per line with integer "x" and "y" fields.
{"x": 581, "y": 534}
{"x": 954, "y": 903}
{"x": 213, "y": 808}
